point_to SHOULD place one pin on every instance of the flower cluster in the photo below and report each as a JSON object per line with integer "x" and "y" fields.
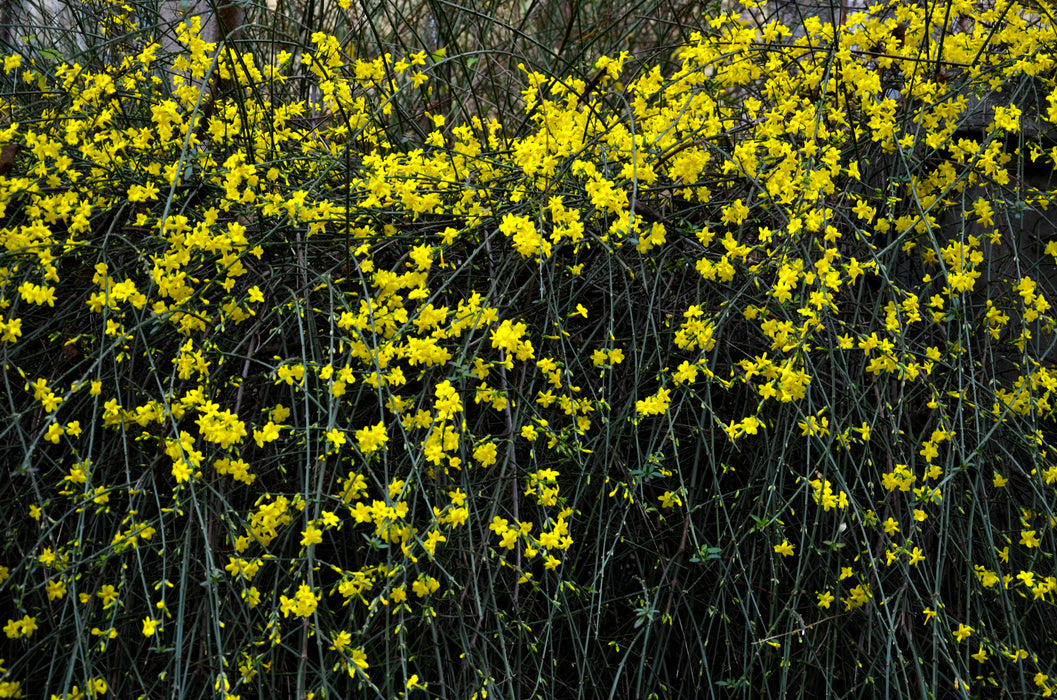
{"x": 707, "y": 346}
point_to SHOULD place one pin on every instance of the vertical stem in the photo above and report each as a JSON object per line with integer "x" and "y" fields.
{"x": 511, "y": 453}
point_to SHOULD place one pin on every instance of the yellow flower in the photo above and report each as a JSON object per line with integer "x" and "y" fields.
{"x": 432, "y": 539}
{"x": 685, "y": 373}
{"x": 424, "y": 586}
{"x": 963, "y": 632}
{"x": 149, "y": 627}
{"x": 335, "y": 437}
{"x": 669, "y": 499}
{"x": 311, "y": 535}
{"x": 11, "y": 331}
{"x": 340, "y": 641}
{"x": 785, "y": 549}
{"x": 181, "y": 471}
{"x": 108, "y": 594}
{"x": 372, "y": 438}
{"x": 28, "y": 624}
{"x": 359, "y": 659}
{"x": 485, "y": 454}
{"x": 302, "y": 604}
{"x": 56, "y": 590}
{"x": 654, "y": 405}
{"x": 824, "y": 599}
{"x": 814, "y": 425}
{"x": 54, "y": 432}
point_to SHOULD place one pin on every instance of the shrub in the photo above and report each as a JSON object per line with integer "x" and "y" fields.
{"x": 725, "y": 370}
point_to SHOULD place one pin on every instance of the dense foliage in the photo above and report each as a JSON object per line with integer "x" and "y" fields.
{"x": 726, "y": 369}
